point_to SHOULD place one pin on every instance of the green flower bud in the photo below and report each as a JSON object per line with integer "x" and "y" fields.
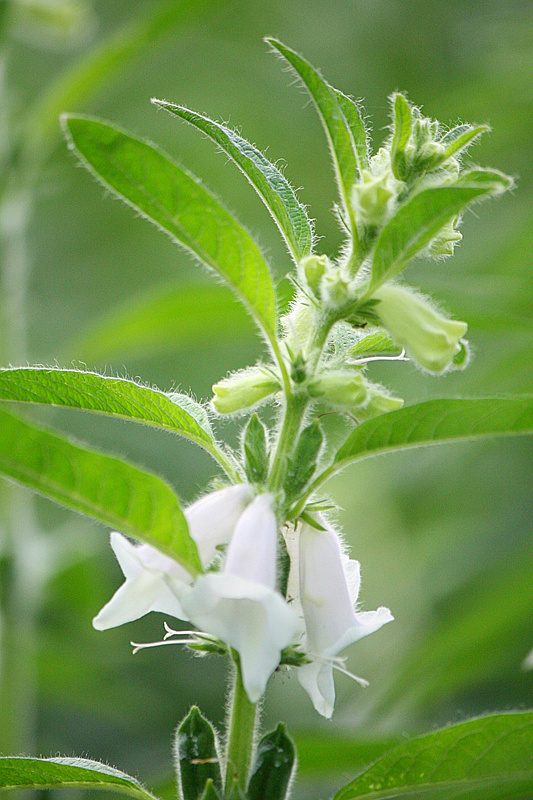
{"x": 243, "y": 389}
{"x": 313, "y": 268}
{"x": 341, "y": 388}
{"x": 431, "y": 339}
{"x": 373, "y": 197}
{"x": 298, "y": 327}
{"x": 379, "y": 402}
{"x": 335, "y": 288}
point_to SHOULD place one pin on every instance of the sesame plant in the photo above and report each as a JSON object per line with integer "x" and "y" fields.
{"x": 256, "y": 566}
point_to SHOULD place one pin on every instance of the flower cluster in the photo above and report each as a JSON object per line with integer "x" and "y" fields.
{"x": 237, "y": 600}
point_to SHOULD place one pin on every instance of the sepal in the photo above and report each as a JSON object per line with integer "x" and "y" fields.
{"x": 274, "y": 766}
{"x": 244, "y": 389}
{"x": 255, "y": 450}
{"x": 303, "y": 464}
{"x": 196, "y": 758}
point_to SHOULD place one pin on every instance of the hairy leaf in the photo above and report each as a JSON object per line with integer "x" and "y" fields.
{"x": 343, "y": 148}
{"x": 490, "y": 758}
{"x": 126, "y": 498}
{"x": 154, "y": 185}
{"x": 116, "y": 397}
{"x": 58, "y": 773}
{"x": 402, "y": 132}
{"x": 419, "y": 220}
{"x": 435, "y": 422}
{"x": 269, "y": 182}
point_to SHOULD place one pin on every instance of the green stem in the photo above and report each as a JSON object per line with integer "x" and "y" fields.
{"x": 243, "y": 719}
{"x": 294, "y": 414}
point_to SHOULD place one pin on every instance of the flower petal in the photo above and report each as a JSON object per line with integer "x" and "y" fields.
{"x": 253, "y": 547}
{"x": 151, "y": 580}
{"x": 212, "y": 518}
{"x": 248, "y": 616}
{"x": 317, "y": 680}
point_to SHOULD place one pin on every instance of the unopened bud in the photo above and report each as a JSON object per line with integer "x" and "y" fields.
{"x": 313, "y": 268}
{"x": 379, "y": 402}
{"x": 373, "y": 197}
{"x": 243, "y": 389}
{"x": 431, "y": 339}
{"x": 341, "y": 388}
{"x": 444, "y": 242}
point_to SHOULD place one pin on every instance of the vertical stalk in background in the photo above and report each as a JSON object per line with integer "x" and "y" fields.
{"x": 21, "y": 596}
{"x": 241, "y": 733}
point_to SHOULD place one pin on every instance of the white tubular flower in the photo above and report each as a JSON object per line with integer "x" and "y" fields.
{"x": 329, "y": 586}
{"x": 212, "y": 518}
{"x": 432, "y": 339}
{"x": 151, "y": 580}
{"x": 240, "y": 604}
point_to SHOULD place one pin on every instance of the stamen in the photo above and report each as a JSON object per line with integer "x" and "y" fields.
{"x": 400, "y": 357}
{"x": 338, "y": 664}
{"x": 195, "y": 637}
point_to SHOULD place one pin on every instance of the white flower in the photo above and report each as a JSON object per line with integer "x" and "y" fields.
{"x": 528, "y": 661}
{"x": 153, "y": 580}
{"x": 240, "y": 605}
{"x": 328, "y": 589}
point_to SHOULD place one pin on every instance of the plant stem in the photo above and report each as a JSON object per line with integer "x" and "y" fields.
{"x": 242, "y": 725}
{"x": 294, "y": 414}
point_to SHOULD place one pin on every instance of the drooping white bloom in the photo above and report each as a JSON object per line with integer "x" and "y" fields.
{"x": 240, "y": 604}
{"x": 328, "y": 589}
{"x": 153, "y": 580}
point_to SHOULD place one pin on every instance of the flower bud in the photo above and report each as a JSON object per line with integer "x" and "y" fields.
{"x": 341, "y": 388}
{"x": 379, "y": 402}
{"x": 313, "y": 268}
{"x": 431, "y": 339}
{"x": 335, "y": 288}
{"x": 243, "y": 389}
{"x": 374, "y": 195}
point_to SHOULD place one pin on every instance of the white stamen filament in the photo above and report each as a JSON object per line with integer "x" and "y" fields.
{"x": 338, "y": 664}
{"x": 196, "y": 637}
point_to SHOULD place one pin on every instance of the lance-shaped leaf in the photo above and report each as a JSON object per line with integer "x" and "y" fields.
{"x": 66, "y": 773}
{"x": 490, "y": 758}
{"x": 154, "y": 185}
{"x": 116, "y": 397}
{"x": 433, "y": 422}
{"x": 459, "y": 139}
{"x": 344, "y": 151}
{"x": 401, "y": 134}
{"x": 375, "y": 345}
{"x": 269, "y": 182}
{"x": 128, "y": 499}
{"x": 353, "y": 114}
{"x": 419, "y": 220}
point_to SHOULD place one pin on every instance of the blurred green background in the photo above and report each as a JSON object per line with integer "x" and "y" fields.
{"x": 444, "y": 535}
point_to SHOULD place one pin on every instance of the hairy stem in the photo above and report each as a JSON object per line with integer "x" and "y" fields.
{"x": 242, "y": 724}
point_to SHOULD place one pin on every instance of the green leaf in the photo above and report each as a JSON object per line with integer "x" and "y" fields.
{"x": 154, "y": 185}
{"x": 167, "y": 319}
{"x": 126, "y": 498}
{"x": 196, "y": 756}
{"x": 273, "y": 766}
{"x": 419, "y": 220}
{"x": 116, "y": 397}
{"x": 436, "y": 422}
{"x": 378, "y": 343}
{"x": 402, "y": 132}
{"x": 343, "y": 148}
{"x": 320, "y": 753}
{"x": 269, "y": 182}
{"x": 490, "y": 758}
{"x": 58, "y": 773}
{"x": 255, "y": 450}
{"x": 460, "y": 138}
{"x": 94, "y": 68}
{"x": 302, "y": 466}
{"x": 353, "y": 115}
